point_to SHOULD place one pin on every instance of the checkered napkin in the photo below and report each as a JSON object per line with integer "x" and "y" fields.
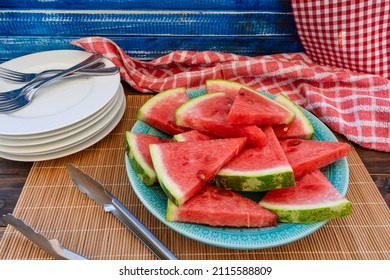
{"x": 345, "y": 33}
{"x": 356, "y": 105}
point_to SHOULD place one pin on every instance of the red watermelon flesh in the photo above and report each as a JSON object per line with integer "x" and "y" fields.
{"x": 159, "y": 111}
{"x": 308, "y": 155}
{"x": 254, "y": 135}
{"x": 184, "y": 167}
{"x": 313, "y": 198}
{"x": 207, "y": 113}
{"x": 251, "y": 107}
{"x": 214, "y": 106}
{"x": 258, "y": 168}
{"x": 192, "y": 135}
{"x": 137, "y": 148}
{"x": 217, "y": 207}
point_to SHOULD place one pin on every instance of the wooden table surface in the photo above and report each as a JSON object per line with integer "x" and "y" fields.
{"x": 13, "y": 176}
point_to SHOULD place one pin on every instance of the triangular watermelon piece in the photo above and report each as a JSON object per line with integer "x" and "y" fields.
{"x": 207, "y": 113}
{"x": 184, "y": 167}
{"x": 159, "y": 111}
{"x": 300, "y": 127}
{"x": 252, "y": 107}
{"x": 137, "y": 149}
{"x": 216, "y": 207}
{"x": 308, "y": 155}
{"x": 258, "y": 168}
{"x": 312, "y": 199}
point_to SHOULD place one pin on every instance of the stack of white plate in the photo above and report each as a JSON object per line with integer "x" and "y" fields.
{"x": 64, "y": 117}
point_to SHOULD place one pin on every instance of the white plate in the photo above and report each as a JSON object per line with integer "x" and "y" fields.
{"x": 82, "y": 133}
{"x": 59, "y": 134}
{"x": 62, "y": 103}
{"x": 78, "y": 146}
{"x": 37, "y": 137}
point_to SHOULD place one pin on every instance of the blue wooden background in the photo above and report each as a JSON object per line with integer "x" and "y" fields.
{"x": 147, "y": 29}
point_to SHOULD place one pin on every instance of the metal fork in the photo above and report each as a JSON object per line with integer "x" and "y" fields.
{"x": 6, "y": 96}
{"x": 91, "y": 60}
{"x": 28, "y": 93}
{"x": 12, "y": 94}
{"x": 22, "y": 77}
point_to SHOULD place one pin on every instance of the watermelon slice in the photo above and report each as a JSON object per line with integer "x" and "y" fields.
{"x": 137, "y": 148}
{"x": 184, "y": 167}
{"x": 300, "y": 127}
{"x": 207, "y": 113}
{"x": 258, "y": 168}
{"x": 159, "y": 111}
{"x": 308, "y": 155}
{"x": 192, "y": 135}
{"x": 313, "y": 199}
{"x": 216, "y": 207}
{"x": 252, "y": 107}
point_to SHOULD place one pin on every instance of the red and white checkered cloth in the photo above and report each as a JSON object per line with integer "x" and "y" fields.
{"x": 356, "y": 105}
{"x": 346, "y": 33}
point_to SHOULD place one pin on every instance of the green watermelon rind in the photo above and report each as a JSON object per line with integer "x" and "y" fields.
{"x": 178, "y": 138}
{"x": 303, "y": 214}
{"x": 299, "y": 115}
{"x": 171, "y": 211}
{"x": 170, "y": 188}
{"x": 256, "y": 181}
{"x": 147, "y": 175}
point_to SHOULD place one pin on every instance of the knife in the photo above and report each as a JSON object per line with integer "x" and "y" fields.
{"x": 94, "y": 190}
{"x": 52, "y": 246}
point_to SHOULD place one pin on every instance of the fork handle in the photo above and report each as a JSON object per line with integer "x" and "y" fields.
{"x": 85, "y": 63}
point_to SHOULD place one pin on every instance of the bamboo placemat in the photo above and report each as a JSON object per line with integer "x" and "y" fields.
{"x": 52, "y": 205}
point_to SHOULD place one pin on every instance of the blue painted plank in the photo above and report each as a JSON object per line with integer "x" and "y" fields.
{"x": 147, "y": 48}
{"x": 105, "y": 23}
{"x": 259, "y": 5}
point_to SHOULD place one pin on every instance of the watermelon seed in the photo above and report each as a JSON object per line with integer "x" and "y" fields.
{"x": 295, "y": 142}
{"x": 201, "y": 175}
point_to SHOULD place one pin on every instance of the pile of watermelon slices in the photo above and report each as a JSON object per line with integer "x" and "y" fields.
{"x": 230, "y": 141}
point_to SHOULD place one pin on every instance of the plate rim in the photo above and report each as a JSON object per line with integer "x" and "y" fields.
{"x": 79, "y": 145}
{"x": 51, "y": 57}
{"x": 68, "y": 133}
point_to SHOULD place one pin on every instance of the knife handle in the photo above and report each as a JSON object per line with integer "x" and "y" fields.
{"x": 132, "y": 223}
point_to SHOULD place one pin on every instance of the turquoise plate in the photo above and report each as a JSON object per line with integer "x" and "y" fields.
{"x": 155, "y": 201}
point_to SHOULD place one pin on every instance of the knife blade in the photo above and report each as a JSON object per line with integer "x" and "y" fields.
{"x": 97, "y": 192}
{"x": 52, "y": 246}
